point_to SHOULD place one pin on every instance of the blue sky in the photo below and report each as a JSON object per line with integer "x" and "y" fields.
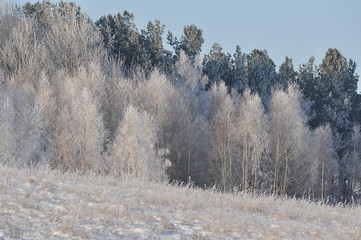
{"x": 293, "y": 28}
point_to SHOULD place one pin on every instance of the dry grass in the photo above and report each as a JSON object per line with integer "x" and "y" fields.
{"x": 43, "y": 204}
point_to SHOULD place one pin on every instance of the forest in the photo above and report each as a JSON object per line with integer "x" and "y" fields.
{"x": 102, "y": 96}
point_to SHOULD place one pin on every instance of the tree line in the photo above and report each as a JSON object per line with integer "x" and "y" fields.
{"x": 102, "y": 96}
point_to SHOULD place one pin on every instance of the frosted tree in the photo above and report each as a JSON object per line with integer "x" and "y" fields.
{"x": 79, "y": 130}
{"x": 119, "y": 92}
{"x": 21, "y": 130}
{"x": 157, "y": 96}
{"x": 286, "y": 73}
{"x": 353, "y": 160}
{"x": 222, "y": 136}
{"x": 23, "y": 55}
{"x": 188, "y": 73}
{"x": 7, "y": 128}
{"x": 325, "y": 158}
{"x": 190, "y": 42}
{"x": 151, "y": 42}
{"x": 121, "y": 37}
{"x": 8, "y": 20}
{"x": 217, "y": 66}
{"x": 251, "y": 135}
{"x": 133, "y": 152}
{"x": 72, "y": 39}
{"x": 239, "y": 70}
{"x": 288, "y": 134}
{"x": 189, "y": 141}
{"x": 261, "y": 74}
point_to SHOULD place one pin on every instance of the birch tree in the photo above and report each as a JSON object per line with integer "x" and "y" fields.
{"x": 21, "y": 130}
{"x": 326, "y": 160}
{"x": 79, "y": 130}
{"x": 222, "y": 136}
{"x": 353, "y": 160}
{"x": 252, "y": 138}
{"x": 133, "y": 151}
{"x": 288, "y": 132}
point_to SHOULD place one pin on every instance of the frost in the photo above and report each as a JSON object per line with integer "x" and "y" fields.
{"x": 43, "y": 204}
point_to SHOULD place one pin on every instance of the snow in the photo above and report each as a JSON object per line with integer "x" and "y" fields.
{"x": 44, "y": 204}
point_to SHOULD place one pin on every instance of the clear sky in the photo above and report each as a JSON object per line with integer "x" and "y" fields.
{"x": 294, "y": 28}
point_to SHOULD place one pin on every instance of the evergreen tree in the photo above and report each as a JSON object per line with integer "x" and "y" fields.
{"x": 217, "y": 66}
{"x": 190, "y": 42}
{"x": 239, "y": 71}
{"x": 121, "y": 37}
{"x": 152, "y": 44}
{"x": 261, "y": 74}
{"x": 39, "y": 11}
{"x": 286, "y": 73}
{"x": 337, "y": 87}
{"x": 307, "y": 80}
{"x": 339, "y": 83}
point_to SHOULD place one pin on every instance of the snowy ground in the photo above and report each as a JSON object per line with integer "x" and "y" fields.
{"x": 52, "y": 205}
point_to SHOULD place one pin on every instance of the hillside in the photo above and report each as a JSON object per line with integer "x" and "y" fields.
{"x": 44, "y": 204}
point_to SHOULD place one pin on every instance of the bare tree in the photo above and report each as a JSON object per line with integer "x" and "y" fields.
{"x": 252, "y": 138}
{"x": 72, "y": 40}
{"x": 353, "y": 160}
{"x": 21, "y": 130}
{"x": 23, "y": 55}
{"x": 8, "y": 20}
{"x": 7, "y": 128}
{"x": 222, "y": 137}
{"x": 288, "y": 132}
{"x": 325, "y": 158}
{"x": 79, "y": 129}
{"x": 119, "y": 92}
{"x": 133, "y": 153}
{"x": 189, "y": 73}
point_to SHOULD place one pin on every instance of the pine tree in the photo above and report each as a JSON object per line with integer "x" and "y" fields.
{"x": 217, "y": 66}
{"x": 121, "y": 37}
{"x": 190, "y": 42}
{"x": 261, "y": 74}
{"x": 153, "y": 51}
{"x": 286, "y": 73}
{"x": 239, "y": 71}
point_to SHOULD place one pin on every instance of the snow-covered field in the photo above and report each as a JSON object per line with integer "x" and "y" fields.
{"x": 45, "y": 204}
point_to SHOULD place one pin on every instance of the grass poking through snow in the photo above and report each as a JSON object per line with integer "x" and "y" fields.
{"x": 43, "y": 204}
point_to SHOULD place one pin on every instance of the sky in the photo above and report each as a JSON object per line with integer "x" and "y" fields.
{"x": 294, "y": 28}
